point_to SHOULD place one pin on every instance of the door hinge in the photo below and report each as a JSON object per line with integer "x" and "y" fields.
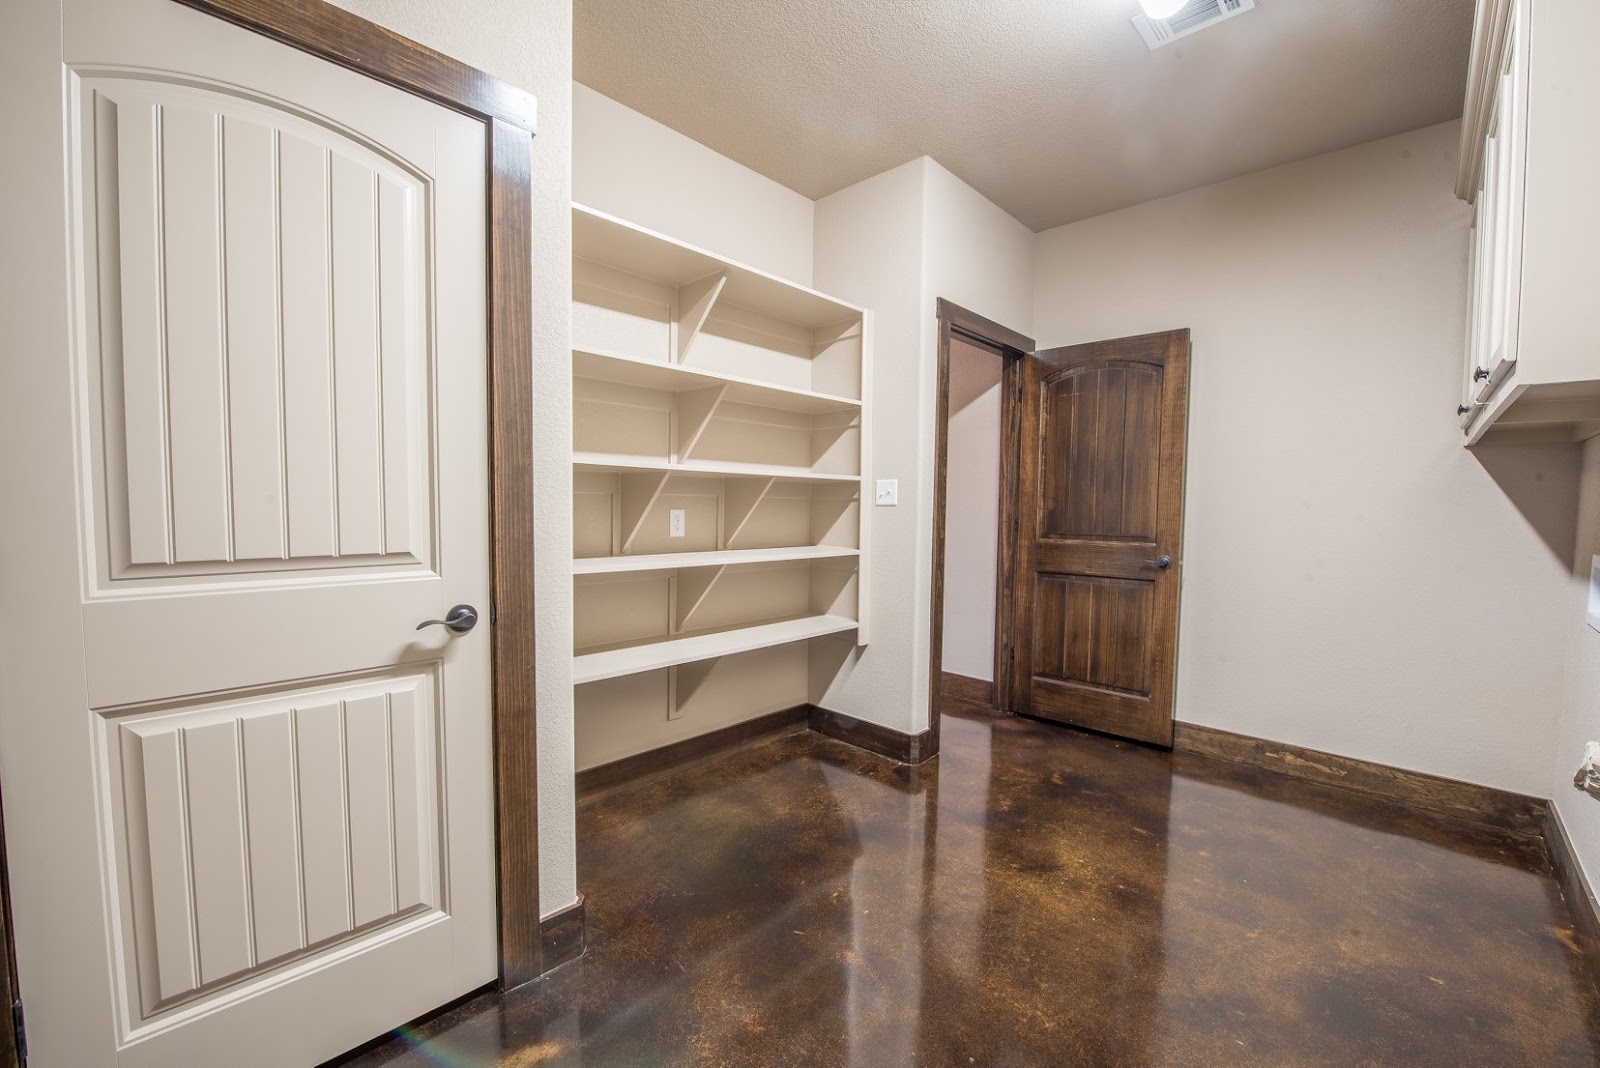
{"x": 20, "y": 1029}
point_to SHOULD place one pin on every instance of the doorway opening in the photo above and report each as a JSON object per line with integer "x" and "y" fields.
{"x": 974, "y": 508}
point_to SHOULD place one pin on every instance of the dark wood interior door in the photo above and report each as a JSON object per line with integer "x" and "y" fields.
{"x": 1100, "y": 534}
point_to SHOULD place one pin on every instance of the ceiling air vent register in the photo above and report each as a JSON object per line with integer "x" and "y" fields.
{"x": 1191, "y": 18}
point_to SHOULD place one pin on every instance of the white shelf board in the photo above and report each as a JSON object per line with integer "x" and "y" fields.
{"x": 675, "y": 378}
{"x": 603, "y": 565}
{"x": 612, "y": 463}
{"x": 614, "y": 663}
{"x": 607, "y": 239}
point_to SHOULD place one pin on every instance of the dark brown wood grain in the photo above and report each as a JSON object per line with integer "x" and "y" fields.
{"x": 334, "y": 34}
{"x": 1010, "y": 346}
{"x": 563, "y": 935}
{"x": 1485, "y": 806}
{"x": 509, "y": 113}
{"x": 1094, "y": 623}
{"x": 964, "y": 688}
{"x": 873, "y": 737}
{"x": 515, "y": 630}
{"x": 1575, "y": 891}
{"x": 654, "y": 763}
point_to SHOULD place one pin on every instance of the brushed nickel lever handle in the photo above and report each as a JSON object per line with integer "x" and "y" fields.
{"x": 1160, "y": 563}
{"x": 461, "y": 618}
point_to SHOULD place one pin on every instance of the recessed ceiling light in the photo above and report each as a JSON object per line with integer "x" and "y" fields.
{"x": 1160, "y": 9}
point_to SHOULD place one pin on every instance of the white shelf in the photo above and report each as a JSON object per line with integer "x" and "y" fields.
{"x": 607, "y": 239}
{"x": 612, "y": 463}
{"x": 653, "y": 374}
{"x": 614, "y": 663}
{"x": 604, "y": 565}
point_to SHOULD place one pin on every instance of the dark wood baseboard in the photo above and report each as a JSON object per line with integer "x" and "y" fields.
{"x": 1485, "y": 806}
{"x": 873, "y": 737}
{"x": 657, "y": 762}
{"x": 955, "y": 687}
{"x": 1575, "y": 890}
{"x": 562, "y": 936}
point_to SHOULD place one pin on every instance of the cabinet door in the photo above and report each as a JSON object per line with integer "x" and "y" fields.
{"x": 1497, "y": 250}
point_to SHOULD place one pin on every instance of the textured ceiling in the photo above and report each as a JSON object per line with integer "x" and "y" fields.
{"x": 1054, "y": 109}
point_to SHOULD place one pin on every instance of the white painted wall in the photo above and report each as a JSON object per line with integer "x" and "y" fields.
{"x": 531, "y": 45}
{"x": 633, "y": 167}
{"x": 971, "y": 514}
{"x": 894, "y": 243}
{"x": 1355, "y": 580}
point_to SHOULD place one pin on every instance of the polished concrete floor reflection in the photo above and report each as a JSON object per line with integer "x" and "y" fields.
{"x": 1036, "y": 897}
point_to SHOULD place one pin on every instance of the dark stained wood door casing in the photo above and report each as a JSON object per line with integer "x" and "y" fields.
{"x": 1101, "y": 503}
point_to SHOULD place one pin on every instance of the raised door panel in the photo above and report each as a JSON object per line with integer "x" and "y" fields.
{"x": 250, "y": 833}
{"x": 1101, "y": 426}
{"x": 261, "y": 392}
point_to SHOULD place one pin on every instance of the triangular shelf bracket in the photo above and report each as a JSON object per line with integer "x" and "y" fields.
{"x": 695, "y": 300}
{"x": 741, "y": 496}
{"x": 695, "y": 407}
{"x": 639, "y": 494}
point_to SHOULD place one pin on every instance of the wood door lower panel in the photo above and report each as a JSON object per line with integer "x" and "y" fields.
{"x": 1091, "y": 651}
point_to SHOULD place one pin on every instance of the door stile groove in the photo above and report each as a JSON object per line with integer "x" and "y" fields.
{"x": 159, "y": 156}
{"x": 188, "y": 856}
{"x": 253, "y": 953}
{"x": 349, "y": 837}
{"x": 284, "y": 550}
{"x": 299, "y": 833}
{"x": 377, "y": 363}
{"x": 219, "y": 166}
{"x": 333, "y": 354}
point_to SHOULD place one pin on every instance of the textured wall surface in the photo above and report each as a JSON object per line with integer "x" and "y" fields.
{"x": 896, "y": 243}
{"x": 637, "y": 169}
{"x": 530, "y": 45}
{"x": 1580, "y": 714}
{"x": 1354, "y": 579}
{"x": 971, "y": 514}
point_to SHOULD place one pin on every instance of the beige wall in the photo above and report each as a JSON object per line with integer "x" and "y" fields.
{"x": 531, "y": 45}
{"x": 1580, "y": 713}
{"x": 1354, "y": 579}
{"x": 972, "y": 492}
{"x": 635, "y": 168}
{"x": 895, "y": 243}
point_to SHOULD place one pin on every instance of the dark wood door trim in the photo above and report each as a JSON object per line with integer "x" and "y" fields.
{"x": 1012, "y": 346}
{"x": 508, "y": 113}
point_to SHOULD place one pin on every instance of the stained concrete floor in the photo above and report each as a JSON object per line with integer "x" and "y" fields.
{"x": 1035, "y": 897}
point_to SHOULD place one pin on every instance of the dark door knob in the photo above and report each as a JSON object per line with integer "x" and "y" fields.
{"x": 1160, "y": 563}
{"x": 461, "y": 618}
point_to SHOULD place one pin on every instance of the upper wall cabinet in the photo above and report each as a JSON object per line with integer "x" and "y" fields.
{"x": 1530, "y": 152}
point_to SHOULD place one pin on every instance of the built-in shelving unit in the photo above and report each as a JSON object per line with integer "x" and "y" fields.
{"x": 718, "y": 465}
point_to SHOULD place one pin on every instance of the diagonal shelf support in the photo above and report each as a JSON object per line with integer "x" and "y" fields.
{"x": 695, "y": 300}
{"x": 694, "y": 584}
{"x": 694, "y": 412}
{"x": 684, "y": 681}
{"x": 742, "y": 495}
{"x": 639, "y": 494}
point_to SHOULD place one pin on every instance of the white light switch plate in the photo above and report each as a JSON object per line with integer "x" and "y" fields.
{"x": 888, "y": 492}
{"x": 675, "y": 523}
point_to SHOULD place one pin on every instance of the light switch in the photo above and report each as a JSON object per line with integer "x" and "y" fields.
{"x": 675, "y": 523}
{"x": 888, "y": 492}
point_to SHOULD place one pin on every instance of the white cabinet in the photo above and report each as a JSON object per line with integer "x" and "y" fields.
{"x": 1530, "y": 146}
{"x": 719, "y": 449}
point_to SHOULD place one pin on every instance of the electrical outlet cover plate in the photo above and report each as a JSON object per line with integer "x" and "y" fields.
{"x": 676, "y": 523}
{"x": 888, "y": 492}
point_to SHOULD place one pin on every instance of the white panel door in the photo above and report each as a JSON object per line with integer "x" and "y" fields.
{"x": 249, "y": 804}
